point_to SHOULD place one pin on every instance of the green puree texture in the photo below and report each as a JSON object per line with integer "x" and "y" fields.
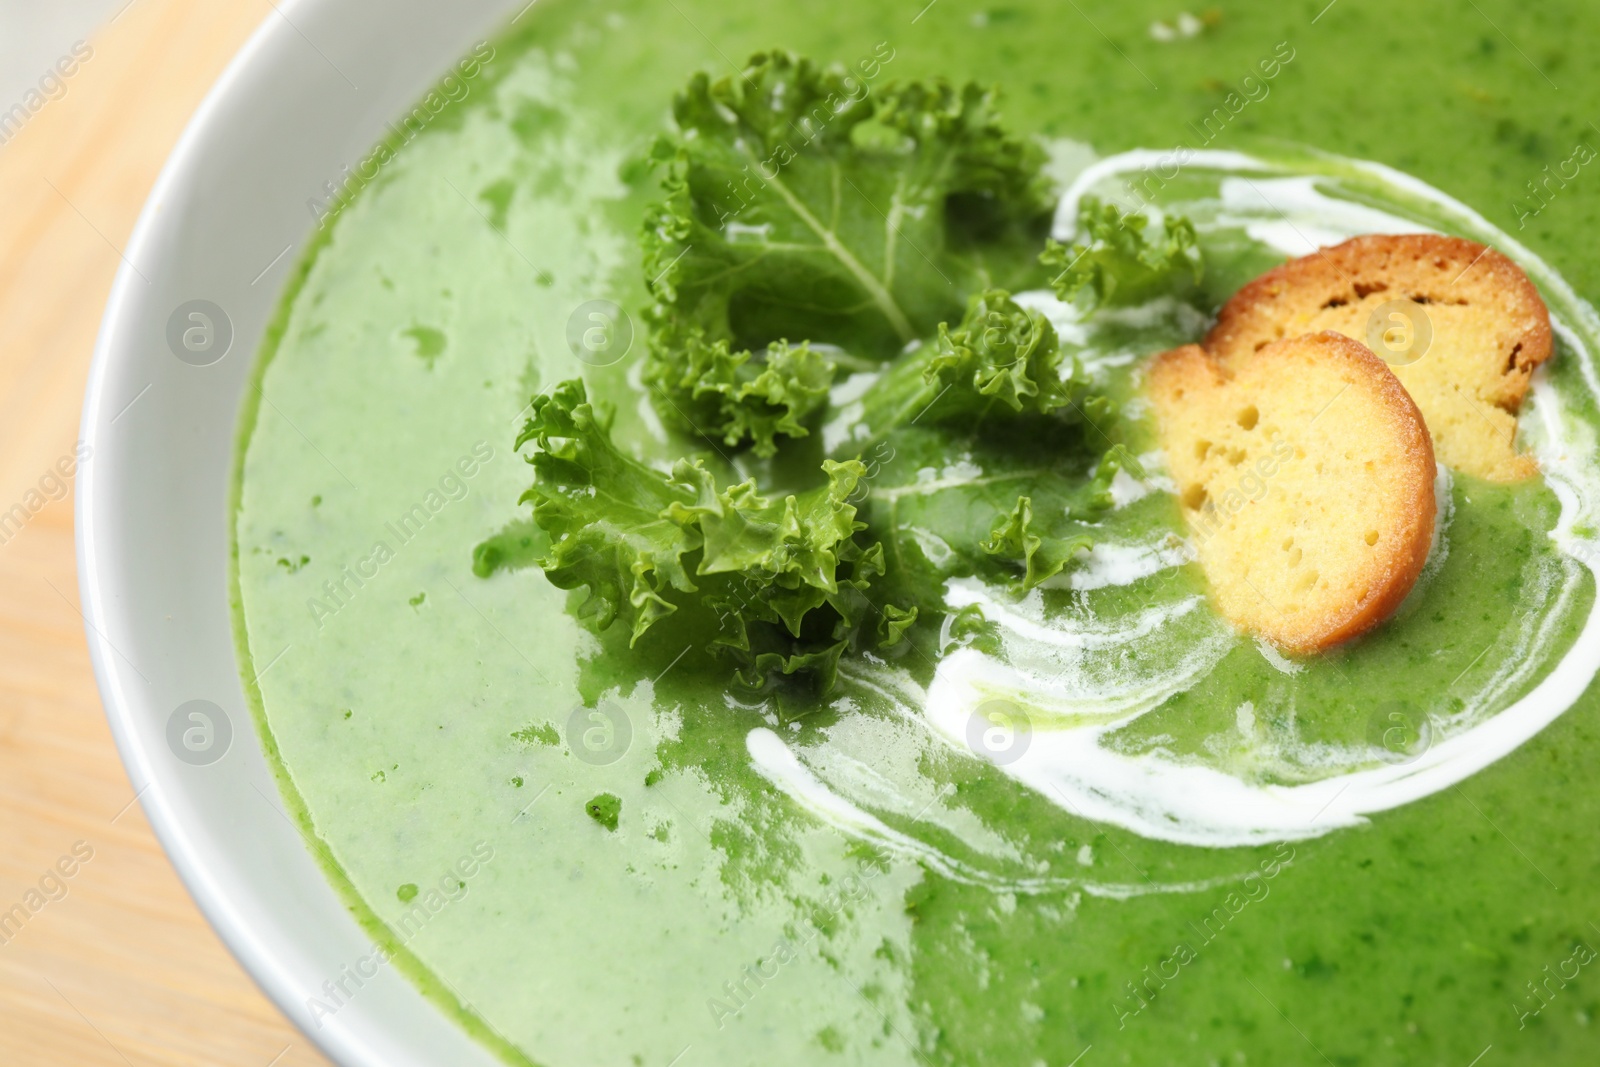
{"x": 671, "y": 902}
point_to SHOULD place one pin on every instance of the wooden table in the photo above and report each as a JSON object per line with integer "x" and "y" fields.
{"x": 121, "y": 970}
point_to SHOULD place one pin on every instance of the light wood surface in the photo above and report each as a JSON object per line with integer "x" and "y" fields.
{"x": 122, "y": 970}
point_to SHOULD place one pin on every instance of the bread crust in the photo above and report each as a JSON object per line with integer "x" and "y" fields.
{"x": 1491, "y": 331}
{"x": 1378, "y": 425}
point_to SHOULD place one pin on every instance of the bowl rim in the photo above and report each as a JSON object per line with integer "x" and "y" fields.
{"x": 367, "y": 1033}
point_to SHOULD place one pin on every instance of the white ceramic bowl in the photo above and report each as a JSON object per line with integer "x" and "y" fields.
{"x": 309, "y": 95}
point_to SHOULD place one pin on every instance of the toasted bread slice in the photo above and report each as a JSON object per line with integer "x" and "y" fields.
{"x": 1461, "y": 326}
{"x": 1306, "y": 474}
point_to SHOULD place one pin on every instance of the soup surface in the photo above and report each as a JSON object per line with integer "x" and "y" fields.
{"x": 1177, "y": 845}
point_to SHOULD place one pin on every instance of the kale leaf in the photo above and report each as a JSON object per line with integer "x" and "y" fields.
{"x": 737, "y": 397}
{"x": 1001, "y": 359}
{"x": 802, "y": 203}
{"x": 1119, "y": 263}
{"x": 785, "y": 580}
{"x": 606, "y": 516}
{"x": 1004, "y": 354}
{"x": 1042, "y": 555}
{"x": 1045, "y": 547}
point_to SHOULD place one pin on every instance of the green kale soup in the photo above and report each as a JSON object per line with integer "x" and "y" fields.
{"x": 711, "y": 592}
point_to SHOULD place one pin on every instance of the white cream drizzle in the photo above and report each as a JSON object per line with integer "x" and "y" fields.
{"x": 1109, "y": 563}
{"x": 1069, "y": 670}
{"x": 1081, "y": 332}
{"x": 775, "y": 761}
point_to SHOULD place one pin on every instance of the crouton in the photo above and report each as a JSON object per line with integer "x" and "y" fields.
{"x": 1306, "y": 474}
{"x": 1460, "y": 325}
